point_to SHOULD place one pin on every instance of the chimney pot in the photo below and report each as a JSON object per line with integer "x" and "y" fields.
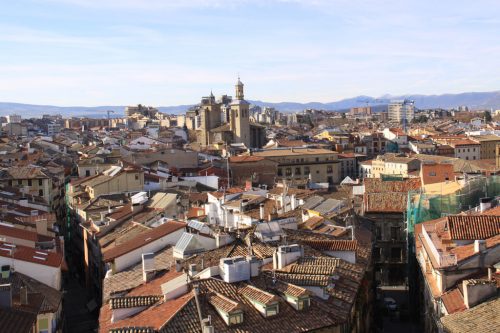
{"x": 24, "y": 295}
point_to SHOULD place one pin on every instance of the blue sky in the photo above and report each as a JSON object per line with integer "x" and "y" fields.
{"x": 162, "y": 52}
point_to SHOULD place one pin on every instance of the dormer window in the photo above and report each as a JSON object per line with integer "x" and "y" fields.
{"x": 236, "y": 318}
{"x": 230, "y": 311}
{"x": 266, "y": 303}
{"x": 303, "y": 303}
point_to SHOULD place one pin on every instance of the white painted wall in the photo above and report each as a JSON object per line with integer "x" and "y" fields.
{"x": 135, "y": 256}
{"x": 49, "y": 275}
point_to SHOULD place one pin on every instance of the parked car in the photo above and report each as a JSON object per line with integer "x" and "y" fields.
{"x": 390, "y": 304}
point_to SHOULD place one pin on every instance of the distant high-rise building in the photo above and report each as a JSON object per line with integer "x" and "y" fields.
{"x": 364, "y": 110}
{"x": 14, "y": 119}
{"x": 401, "y": 111}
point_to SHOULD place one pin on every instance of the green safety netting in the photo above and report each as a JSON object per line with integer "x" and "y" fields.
{"x": 424, "y": 207}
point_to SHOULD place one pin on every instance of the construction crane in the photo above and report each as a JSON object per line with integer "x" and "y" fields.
{"x": 109, "y": 117}
{"x": 372, "y": 101}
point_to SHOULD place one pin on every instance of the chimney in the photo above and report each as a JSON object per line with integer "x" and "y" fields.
{"x": 292, "y": 201}
{"x": 5, "y": 295}
{"x": 192, "y": 270}
{"x": 5, "y": 271}
{"x": 261, "y": 211}
{"x": 477, "y": 291}
{"x": 286, "y": 255}
{"x": 41, "y": 227}
{"x": 207, "y": 325}
{"x": 24, "y": 295}
{"x": 479, "y": 245}
{"x": 178, "y": 265}
{"x": 148, "y": 266}
{"x": 485, "y": 204}
{"x": 136, "y": 208}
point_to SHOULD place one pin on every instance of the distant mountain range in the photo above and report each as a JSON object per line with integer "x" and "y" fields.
{"x": 474, "y": 100}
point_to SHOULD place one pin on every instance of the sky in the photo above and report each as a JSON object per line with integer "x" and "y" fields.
{"x": 163, "y": 52}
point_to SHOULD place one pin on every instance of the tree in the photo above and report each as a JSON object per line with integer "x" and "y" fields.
{"x": 487, "y": 116}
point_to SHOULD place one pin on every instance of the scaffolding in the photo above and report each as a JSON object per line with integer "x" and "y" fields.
{"x": 423, "y": 206}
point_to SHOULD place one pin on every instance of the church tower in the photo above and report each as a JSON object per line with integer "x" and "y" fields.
{"x": 240, "y": 117}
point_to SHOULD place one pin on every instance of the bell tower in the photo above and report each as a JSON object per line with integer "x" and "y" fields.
{"x": 240, "y": 117}
{"x": 239, "y": 90}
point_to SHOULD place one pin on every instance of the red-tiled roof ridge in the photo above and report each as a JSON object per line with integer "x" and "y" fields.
{"x": 25, "y": 253}
{"x": 257, "y": 294}
{"x": 245, "y": 159}
{"x": 23, "y": 234}
{"x": 142, "y": 239}
{"x": 453, "y": 301}
{"x": 333, "y": 245}
{"x": 155, "y": 317}
{"x": 472, "y": 227}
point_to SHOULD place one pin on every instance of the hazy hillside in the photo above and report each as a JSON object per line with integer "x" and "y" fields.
{"x": 474, "y": 100}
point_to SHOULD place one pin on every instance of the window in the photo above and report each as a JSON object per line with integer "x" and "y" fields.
{"x": 395, "y": 233}
{"x": 378, "y": 233}
{"x": 19, "y": 182}
{"x": 280, "y": 172}
{"x": 329, "y": 169}
{"x": 307, "y": 171}
{"x": 317, "y": 159}
{"x": 304, "y": 303}
{"x": 432, "y": 173}
{"x": 30, "y": 182}
{"x": 288, "y": 171}
{"x": 271, "y": 310}
{"x": 396, "y": 254}
{"x": 40, "y": 182}
{"x": 235, "y": 319}
{"x": 136, "y": 177}
{"x": 40, "y": 193}
{"x": 297, "y": 171}
{"x": 87, "y": 173}
{"x": 377, "y": 254}
{"x": 43, "y": 325}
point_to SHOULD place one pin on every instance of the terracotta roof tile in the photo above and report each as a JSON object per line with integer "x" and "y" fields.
{"x": 453, "y": 301}
{"x": 142, "y": 239}
{"x": 258, "y": 295}
{"x": 481, "y": 318}
{"x": 223, "y": 303}
{"x": 24, "y": 253}
{"x": 333, "y": 245}
{"x": 472, "y": 227}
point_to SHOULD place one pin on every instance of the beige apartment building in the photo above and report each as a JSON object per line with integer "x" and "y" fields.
{"x": 488, "y": 145}
{"x": 305, "y": 164}
{"x": 35, "y": 181}
{"x": 391, "y": 164}
{"x": 115, "y": 180}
